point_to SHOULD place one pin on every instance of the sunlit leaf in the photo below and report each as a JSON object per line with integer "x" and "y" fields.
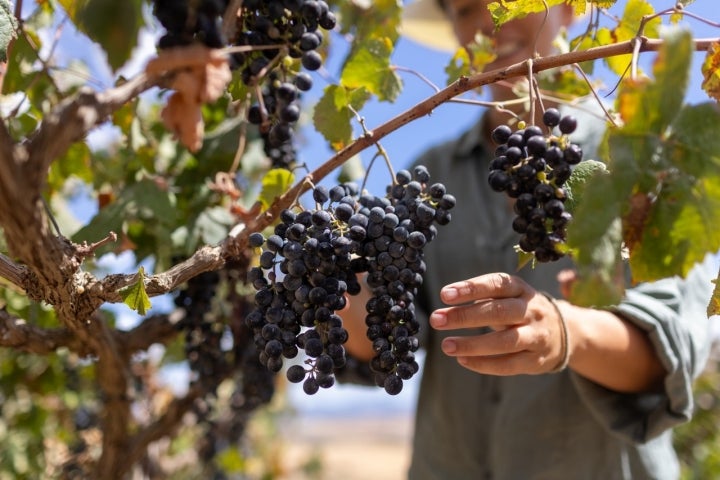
{"x": 680, "y": 230}
{"x": 650, "y": 105}
{"x": 628, "y": 28}
{"x": 135, "y": 296}
{"x": 713, "y": 307}
{"x": 470, "y": 59}
{"x": 711, "y": 71}
{"x": 332, "y": 117}
{"x": 504, "y": 10}
{"x": 369, "y": 67}
{"x": 577, "y": 182}
{"x": 276, "y": 182}
{"x": 75, "y": 163}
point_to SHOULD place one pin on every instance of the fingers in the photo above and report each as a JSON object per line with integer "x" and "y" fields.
{"x": 514, "y": 351}
{"x": 521, "y": 363}
{"x": 495, "y": 313}
{"x": 493, "y": 285}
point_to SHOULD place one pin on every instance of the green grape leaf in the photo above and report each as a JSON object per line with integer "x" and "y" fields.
{"x": 20, "y": 71}
{"x": 369, "y": 67}
{"x": 577, "y": 182}
{"x": 711, "y": 71}
{"x": 680, "y": 229}
{"x": 332, "y": 117}
{"x": 693, "y": 145}
{"x": 8, "y": 28}
{"x": 650, "y": 106}
{"x": 142, "y": 208}
{"x": 213, "y": 225}
{"x": 75, "y": 162}
{"x": 276, "y": 182}
{"x": 352, "y": 170}
{"x": 112, "y": 24}
{"x": 135, "y": 296}
{"x": 595, "y": 234}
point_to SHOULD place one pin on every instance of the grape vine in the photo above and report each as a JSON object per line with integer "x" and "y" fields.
{"x": 313, "y": 259}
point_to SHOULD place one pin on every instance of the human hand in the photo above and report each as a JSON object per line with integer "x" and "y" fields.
{"x": 528, "y": 334}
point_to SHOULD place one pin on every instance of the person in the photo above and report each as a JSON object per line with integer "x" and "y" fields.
{"x": 517, "y": 383}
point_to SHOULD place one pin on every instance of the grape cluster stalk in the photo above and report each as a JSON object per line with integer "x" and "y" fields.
{"x": 314, "y": 258}
{"x": 532, "y": 166}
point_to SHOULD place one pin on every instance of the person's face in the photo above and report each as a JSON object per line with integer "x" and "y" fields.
{"x": 515, "y": 41}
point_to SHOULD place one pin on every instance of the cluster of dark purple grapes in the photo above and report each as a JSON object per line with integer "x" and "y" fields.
{"x": 203, "y": 330}
{"x": 312, "y": 260}
{"x": 270, "y": 28}
{"x": 532, "y": 166}
{"x": 187, "y": 21}
{"x": 276, "y": 116}
{"x": 296, "y": 26}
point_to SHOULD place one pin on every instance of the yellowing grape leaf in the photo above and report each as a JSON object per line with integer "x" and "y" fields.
{"x": 711, "y": 71}
{"x": 650, "y": 106}
{"x": 713, "y": 307}
{"x": 628, "y": 28}
{"x": 681, "y": 229}
{"x": 276, "y": 182}
{"x": 470, "y": 59}
{"x": 503, "y": 11}
{"x": 135, "y": 296}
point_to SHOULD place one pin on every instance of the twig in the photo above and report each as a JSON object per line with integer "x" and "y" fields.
{"x": 86, "y": 250}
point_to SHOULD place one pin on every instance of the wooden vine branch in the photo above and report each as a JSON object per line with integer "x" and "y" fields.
{"x": 162, "y": 427}
{"x": 18, "y": 335}
{"x": 153, "y": 329}
{"x": 12, "y": 272}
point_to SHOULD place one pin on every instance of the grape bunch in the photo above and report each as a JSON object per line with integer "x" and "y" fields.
{"x": 532, "y": 166}
{"x": 295, "y": 27}
{"x": 312, "y": 261}
{"x": 187, "y": 21}
{"x": 203, "y": 330}
{"x": 280, "y": 34}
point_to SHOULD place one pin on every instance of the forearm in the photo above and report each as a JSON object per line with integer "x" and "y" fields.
{"x": 353, "y": 315}
{"x": 610, "y": 351}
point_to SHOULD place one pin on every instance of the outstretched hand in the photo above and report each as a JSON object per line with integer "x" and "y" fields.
{"x": 527, "y": 332}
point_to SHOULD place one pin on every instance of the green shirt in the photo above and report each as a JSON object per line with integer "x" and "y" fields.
{"x": 554, "y": 426}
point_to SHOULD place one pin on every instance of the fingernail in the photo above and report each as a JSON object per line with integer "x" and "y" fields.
{"x": 438, "y": 319}
{"x": 449, "y": 345}
{"x": 450, "y": 293}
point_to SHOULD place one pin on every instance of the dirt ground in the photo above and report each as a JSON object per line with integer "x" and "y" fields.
{"x": 348, "y": 448}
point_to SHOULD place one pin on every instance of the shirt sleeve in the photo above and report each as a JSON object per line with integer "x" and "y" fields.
{"x": 673, "y": 313}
